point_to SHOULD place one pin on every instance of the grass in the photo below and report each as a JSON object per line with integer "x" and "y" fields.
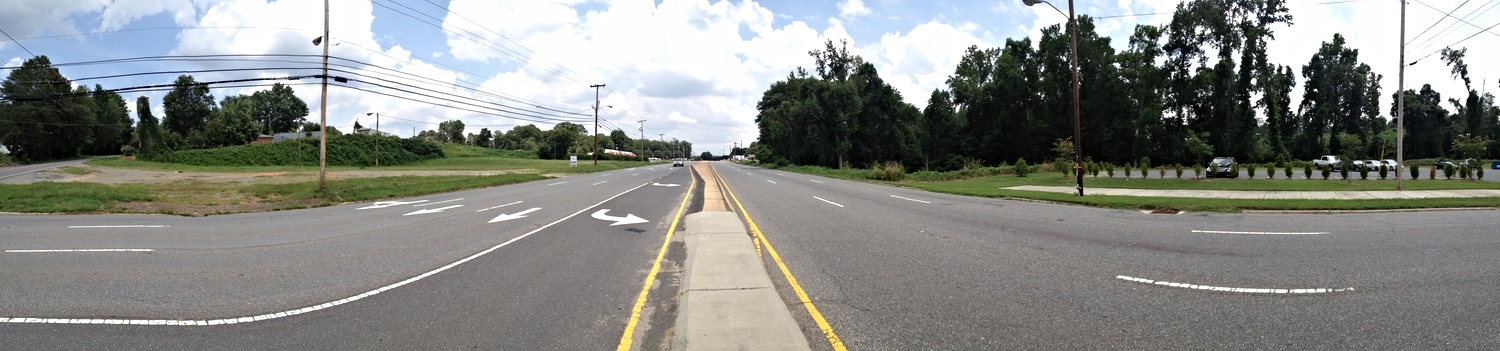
{"x": 466, "y": 161}
{"x": 67, "y": 197}
{"x": 364, "y": 189}
{"x": 994, "y": 187}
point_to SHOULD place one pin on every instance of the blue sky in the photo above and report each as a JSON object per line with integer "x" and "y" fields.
{"x": 693, "y": 69}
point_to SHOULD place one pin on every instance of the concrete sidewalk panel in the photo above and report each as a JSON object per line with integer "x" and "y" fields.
{"x": 715, "y": 222}
{"x": 754, "y": 319}
{"x": 723, "y": 262}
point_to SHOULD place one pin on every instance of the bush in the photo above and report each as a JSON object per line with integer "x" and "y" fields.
{"x": 1250, "y": 167}
{"x": 1383, "y": 170}
{"x": 1021, "y": 168}
{"x": 343, "y": 150}
{"x": 1288, "y": 171}
{"x": 1127, "y": 170}
{"x": 1109, "y": 169}
{"x": 888, "y": 171}
{"x": 1414, "y": 173}
{"x": 126, "y": 150}
{"x": 1364, "y": 173}
{"x": 1178, "y": 167}
{"x": 1326, "y": 171}
{"x": 1307, "y": 172}
{"x": 1344, "y": 170}
{"x": 1234, "y": 170}
{"x": 971, "y": 169}
{"x": 1064, "y": 167}
{"x": 1479, "y": 172}
{"x": 1448, "y": 171}
{"x": 1463, "y": 171}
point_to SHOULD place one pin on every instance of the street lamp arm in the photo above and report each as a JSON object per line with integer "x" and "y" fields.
{"x": 1034, "y": 2}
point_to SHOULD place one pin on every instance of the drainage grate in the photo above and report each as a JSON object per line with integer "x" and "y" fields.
{"x": 1165, "y": 211}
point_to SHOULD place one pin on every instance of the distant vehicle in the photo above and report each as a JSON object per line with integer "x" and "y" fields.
{"x": 1373, "y": 164}
{"x": 1390, "y": 165}
{"x": 1328, "y": 162}
{"x": 1222, "y": 167}
{"x": 1364, "y": 165}
{"x": 677, "y": 162}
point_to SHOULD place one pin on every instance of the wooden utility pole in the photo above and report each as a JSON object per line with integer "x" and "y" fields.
{"x": 323, "y": 121}
{"x": 596, "y": 121}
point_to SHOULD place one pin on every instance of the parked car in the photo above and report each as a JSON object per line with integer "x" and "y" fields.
{"x": 1222, "y": 167}
{"x": 1358, "y": 165}
{"x": 677, "y": 162}
{"x": 1391, "y": 165}
{"x": 1327, "y": 161}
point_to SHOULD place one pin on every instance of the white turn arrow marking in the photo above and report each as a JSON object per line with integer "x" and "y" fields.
{"x": 665, "y": 185}
{"x": 507, "y": 217}
{"x": 628, "y": 219}
{"x": 384, "y": 204}
{"x": 432, "y": 210}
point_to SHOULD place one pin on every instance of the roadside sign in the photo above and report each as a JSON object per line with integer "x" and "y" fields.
{"x": 573, "y": 161}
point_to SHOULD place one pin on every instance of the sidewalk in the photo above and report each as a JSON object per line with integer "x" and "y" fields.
{"x": 1293, "y": 195}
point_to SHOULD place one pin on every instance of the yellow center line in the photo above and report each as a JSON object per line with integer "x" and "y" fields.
{"x": 628, "y": 337}
{"x": 833, "y": 339}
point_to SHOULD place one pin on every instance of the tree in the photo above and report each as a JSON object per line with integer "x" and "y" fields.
{"x": 113, "y": 128}
{"x": 621, "y": 140}
{"x": 42, "y": 117}
{"x": 451, "y": 131}
{"x": 484, "y": 139}
{"x": 233, "y": 124}
{"x": 188, "y": 106}
{"x": 559, "y": 140}
{"x": 278, "y": 109}
{"x": 148, "y": 130}
{"x": 706, "y": 156}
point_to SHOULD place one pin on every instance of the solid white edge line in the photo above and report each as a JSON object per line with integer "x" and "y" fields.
{"x": 116, "y": 226}
{"x": 79, "y": 250}
{"x": 1258, "y": 233}
{"x": 273, "y": 315}
{"x": 1238, "y": 290}
{"x": 556, "y": 183}
{"x": 910, "y": 199}
{"x": 434, "y": 203}
{"x": 830, "y": 202}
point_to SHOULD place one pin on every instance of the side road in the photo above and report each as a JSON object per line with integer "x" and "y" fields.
{"x": 728, "y": 301}
{"x": 1291, "y": 195}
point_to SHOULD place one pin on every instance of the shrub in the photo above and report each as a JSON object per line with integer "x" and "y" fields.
{"x": 127, "y": 150}
{"x": 1234, "y": 170}
{"x": 1344, "y": 170}
{"x": 1145, "y": 165}
{"x": 1178, "y": 167}
{"x": 1109, "y": 169}
{"x": 1463, "y": 171}
{"x": 1064, "y": 167}
{"x": 1307, "y": 172}
{"x": 343, "y": 150}
{"x": 971, "y": 168}
{"x": 1127, "y": 170}
{"x": 1448, "y": 171}
{"x": 1479, "y": 172}
{"x": 1197, "y": 172}
{"x": 1383, "y": 170}
{"x": 888, "y": 171}
{"x": 1364, "y": 173}
{"x": 1326, "y": 171}
{"x": 1414, "y": 172}
{"x": 1250, "y": 167}
{"x": 1021, "y": 168}
{"x": 1288, "y": 171}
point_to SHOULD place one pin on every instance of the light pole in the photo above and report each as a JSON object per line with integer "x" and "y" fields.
{"x": 377, "y": 137}
{"x": 1077, "y": 128}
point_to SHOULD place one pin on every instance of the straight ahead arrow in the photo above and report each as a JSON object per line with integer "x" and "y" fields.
{"x": 507, "y": 217}
{"x": 432, "y": 210}
{"x": 628, "y": 219}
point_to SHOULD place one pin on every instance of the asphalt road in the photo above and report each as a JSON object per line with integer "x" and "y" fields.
{"x": 900, "y": 269}
{"x": 12, "y": 171}
{"x": 434, "y": 272}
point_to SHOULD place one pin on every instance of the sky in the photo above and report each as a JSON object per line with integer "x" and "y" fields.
{"x": 690, "y": 69}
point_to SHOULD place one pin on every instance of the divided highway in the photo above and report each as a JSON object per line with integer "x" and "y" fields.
{"x": 554, "y": 264}
{"x": 900, "y": 269}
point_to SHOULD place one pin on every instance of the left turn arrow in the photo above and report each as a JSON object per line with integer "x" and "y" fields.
{"x": 432, "y": 210}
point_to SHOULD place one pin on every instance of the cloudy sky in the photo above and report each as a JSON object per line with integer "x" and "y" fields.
{"x": 692, "y": 69}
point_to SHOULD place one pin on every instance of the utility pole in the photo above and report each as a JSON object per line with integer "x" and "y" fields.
{"x": 377, "y": 138}
{"x": 596, "y": 121}
{"x": 1401, "y": 100}
{"x": 323, "y": 122}
{"x": 663, "y": 136}
{"x": 643, "y": 138}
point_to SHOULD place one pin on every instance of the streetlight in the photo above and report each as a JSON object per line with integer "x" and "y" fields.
{"x": 1077, "y": 130}
{"x": 377, "y": 137}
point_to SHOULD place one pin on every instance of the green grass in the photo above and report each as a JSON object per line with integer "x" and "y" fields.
{"x": 994, "y": 187}
{"x": 468, "y": 161}
{"x": 365, "y": 189}
{"x": 67, "y": 197}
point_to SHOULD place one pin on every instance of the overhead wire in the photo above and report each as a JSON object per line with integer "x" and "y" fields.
{"x": 479, "y": 40}
{"x": 1453, "y": 26}
{"x": 502, "y": 36}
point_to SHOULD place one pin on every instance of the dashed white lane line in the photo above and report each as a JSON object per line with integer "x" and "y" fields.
{"x": 814, "y": 181}
{"x": 770, "y": 181}
{"x": 491, "y": 208}
{"x": 556, "y": 183}
{"x": 434, "y": 203}
{"x": 910, "y": 199}
{"x": 830, "y": 202}
{"x": 601, "y": 182}
{"x": 79, "y": 250}
{"x": 117, "y": 226}
{"x": 1258, "y": 233}
{"x": 223, "y": 321}
{"x": 1238, "y": 290}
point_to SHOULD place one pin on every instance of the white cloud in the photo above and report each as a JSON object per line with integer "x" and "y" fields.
{"x": 922, "y": 60}
{"x": 850, "y": 9}
{"x": 122, "y": 12}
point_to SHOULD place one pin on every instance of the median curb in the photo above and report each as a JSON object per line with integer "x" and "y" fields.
{"x": 728, "y": 301}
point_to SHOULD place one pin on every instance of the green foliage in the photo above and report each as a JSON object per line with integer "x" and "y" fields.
{"x": 1288, "y": 171}
{"x": 1448, "y": 171}
{"x": 1414, "y": 172}
{"x": 887, "y": 171}
{"x": 1344, "y": 168}
{"x": 1127, "y": 169}
{"x": 278, "y": 109}
{"x": 1326, "y": 172}
{"x": 1479, "y": 171}
{"x": 343, "y": 150}
{"x": 36, "y": 127}
{"x": 1020, "y": 168}
{"x": 1178, "y": 168}
{"x": 1383, "y": 170}
{"x": 127, "y": 150}
{"x": 1249, "y": 168}
{"x": 188, "y": 106}
{"x": 1463, "y": 171}
{"x": 1145, "y": 165}
{"x": 1109, "y": 169}
{"x": 1307, "y": 172}
{"x": 48, "y": 197}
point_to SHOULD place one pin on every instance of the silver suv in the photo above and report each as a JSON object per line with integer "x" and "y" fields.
{"x": 677, "y": 162}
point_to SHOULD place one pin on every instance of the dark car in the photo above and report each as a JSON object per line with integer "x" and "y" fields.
{"x": 1222, "y": 167}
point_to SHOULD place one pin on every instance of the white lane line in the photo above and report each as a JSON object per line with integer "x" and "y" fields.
{"x": 1258, "y": 233}
{"x": 1238, "y": 290}
{"x": 770, "y": 181}
{"x": 491, "y": 208}
{"x": 814, "y": 181}
{"x": 632, "y": 175}
{"x": 117, "y": 226}
{"x": 601, "y": 182}
{"x": 80, "y": 250}
{"x": 434, "y": 203}
{"x": 274, "y": 315}
{"x": 556, "y": 183}
{"x": 830, "y": 202}
{"x": 910, "y": 199}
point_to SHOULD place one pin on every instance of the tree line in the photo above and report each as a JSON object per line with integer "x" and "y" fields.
{"x": 1203, "y": 78}
{"x": 563, "y": 140}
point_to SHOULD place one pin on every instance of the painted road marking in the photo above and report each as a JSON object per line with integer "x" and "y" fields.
{"x": 434, "y": 203}
{"x": 506, "y": 217}
{"x": 81, "y": 250}
{"x": 628, "y": 338}
{"x": 384, "y": 204}
{"x": 1258, "y": 233}
{"x": 628, "y": 219}
{"x": 601, "y": 182}
{"x": 814, "y": 181}
{"x": 770, "y": 181}
{"x": 491, "y": 208}
{"x": 760, "y": 239}
{"x": 307, "y": 309}
{"x": 830, "y": 202}
{"x": 556, "y": 183}
{"x": 910, "y": 199}
{"x": 1238, "y": 290}
{"x": 117, "y": 226}
{"x": 632, "y": 175}
{"x": 432, "y": 210}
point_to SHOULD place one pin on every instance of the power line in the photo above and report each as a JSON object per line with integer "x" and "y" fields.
{"x": 1451, "y": 45}
{"x": 1453, "y": 26}
{"x": 23, "y": 47}
{"x": 1449, "y": 15}
{"x": 502, "y": 36}
{"x": 479, "y": 40}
